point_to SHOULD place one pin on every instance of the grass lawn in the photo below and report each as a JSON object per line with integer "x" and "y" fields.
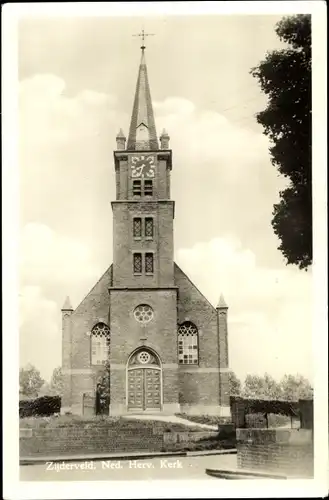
{"x": 203, "y": 419}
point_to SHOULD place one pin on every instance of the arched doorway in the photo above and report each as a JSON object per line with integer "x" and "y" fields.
{"x": 144, "y": 384}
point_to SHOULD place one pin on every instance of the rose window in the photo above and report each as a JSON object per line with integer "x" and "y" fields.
{"x": 144, "y": 357}
{"x": 143, "y": 313}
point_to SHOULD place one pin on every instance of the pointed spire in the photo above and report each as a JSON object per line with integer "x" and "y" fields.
{"x": 221, "y": 303}
{"x": 142, "y": 132}
{"x": 67, "y": 305}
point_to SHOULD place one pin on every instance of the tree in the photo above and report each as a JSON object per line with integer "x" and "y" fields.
{"x": 272, "y": 388}
{"x": 290, "y": 388}
{"x": 253, "y": 387}
{"x": 295, "y": 387}
{"x": 103, "y": 391}
{"x": 45, "y": 390}
{"x": 56, "y": 383}
{"x": 234, "y": 384}
{"x": 30, "y": 381}
{"x": 285, "y": 77}
{"x": 261, "y": 387}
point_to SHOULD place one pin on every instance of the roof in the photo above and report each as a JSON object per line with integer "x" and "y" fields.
{"x": 142, "y": 132}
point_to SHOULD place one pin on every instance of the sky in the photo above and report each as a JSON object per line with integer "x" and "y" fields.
{"x": 77, "y": 79}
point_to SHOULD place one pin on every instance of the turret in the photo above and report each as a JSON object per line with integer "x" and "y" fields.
{"x": 67, "y": 311}
{"x": 164, "y": 139}
{"x": 222, "y": 309}
{"x": 121, "y": 140}
{"x": 222, "y": 306}
{"x": 67, "y": 307}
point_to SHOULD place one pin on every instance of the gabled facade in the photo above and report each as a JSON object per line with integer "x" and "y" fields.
{"x": 145, "y": 324}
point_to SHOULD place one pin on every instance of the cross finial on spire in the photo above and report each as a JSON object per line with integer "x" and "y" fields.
{"x": 142, "y": 132}
{"x": 143, "y": 35}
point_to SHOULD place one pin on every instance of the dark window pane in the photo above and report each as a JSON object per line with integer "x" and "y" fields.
{"x": 137, "y": 263}
{"x": 148, "y": 188}
{"x": 149, "y": 263}
{"x": 137, "y": 227}
{"x": 149, "y": 227}
{"x": 137, "y": 188}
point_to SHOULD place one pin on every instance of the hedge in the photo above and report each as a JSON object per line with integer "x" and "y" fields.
{"x": 43, "y": 406}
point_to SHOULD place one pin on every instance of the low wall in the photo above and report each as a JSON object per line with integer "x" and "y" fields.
{"x": 285, "y": 451}
{"x": 65, "y": 441}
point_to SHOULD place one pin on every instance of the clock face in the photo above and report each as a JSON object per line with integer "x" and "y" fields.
{"x": 143, "y": 166}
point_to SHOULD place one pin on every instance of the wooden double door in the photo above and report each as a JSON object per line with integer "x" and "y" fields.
{"x": 144, "y": 389}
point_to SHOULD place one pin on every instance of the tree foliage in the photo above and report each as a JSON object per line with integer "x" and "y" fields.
{"x": 289, "y": 388}
{"x": 30, "y": 381}
{"x": 234, "y": 384}
{"x": 103, "y": 391}
{"x": 296, "y": 387}
{"x": 56, "y": 383}
{"x": 285, "y": 77}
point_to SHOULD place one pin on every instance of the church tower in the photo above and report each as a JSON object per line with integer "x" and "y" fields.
{"x": 143, "y": 266}
{"x": 144, "y": 339}
{"x": 143, "y": 212}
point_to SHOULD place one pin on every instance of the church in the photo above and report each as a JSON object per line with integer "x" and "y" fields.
{"x": 144, "y": 339}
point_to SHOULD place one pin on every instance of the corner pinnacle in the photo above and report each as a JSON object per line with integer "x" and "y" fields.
{"x": 221, "y": 303}
{"x": 67, "y": 306}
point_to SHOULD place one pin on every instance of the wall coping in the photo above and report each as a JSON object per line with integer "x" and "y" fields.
{"x": 29, "y": 431}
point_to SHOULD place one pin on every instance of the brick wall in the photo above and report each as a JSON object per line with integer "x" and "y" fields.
{"x": 79, "y": 376}
{"x": 125, "y": 208}
{"x": 71, "y": 440}
{"x": 202, "y": 385}
{"x": 197, "y": 388}
{"x": 286, "y": 451}
{"x": 65, "y": 441}
{"x": 168, "y": 291}
{"x": 127, "y": 335}
{"x": 161, "y": 181}
{"x": 306, "y": 413}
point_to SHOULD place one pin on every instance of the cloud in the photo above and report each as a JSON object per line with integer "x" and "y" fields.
{"x": 40, "y": 331}
{"x": 210, "y": 136}
{"x": 50, "y": 258}
{"x": 269, "y": 310}
{"x": 51, "y": 265}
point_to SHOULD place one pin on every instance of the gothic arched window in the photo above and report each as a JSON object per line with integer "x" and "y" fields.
{"x": 188, "y": 344}
{"x": 100, "y": 344}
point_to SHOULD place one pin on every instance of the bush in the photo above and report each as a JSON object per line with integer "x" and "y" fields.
{"x": 44, "y": 406}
